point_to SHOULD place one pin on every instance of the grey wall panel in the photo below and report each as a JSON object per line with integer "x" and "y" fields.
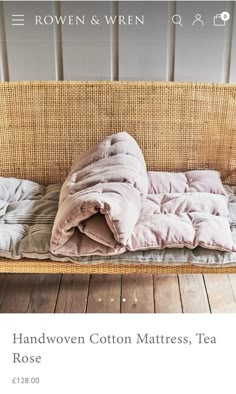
{"x": 114, "y": 44}
{"x": 228, "y": 43}
{"x": 30, "y": 47}
{"x": 4, "y": 75}
{"x": 86, "y": 47}
{"x": 56, "y": 7}
{"x": 143, "y": 49}
{"x": 232, "y": 73}
{"x": 200, "y": 50}
{"x": 170, "y": 43}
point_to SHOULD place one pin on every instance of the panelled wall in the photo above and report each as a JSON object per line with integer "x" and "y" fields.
{"x": 156, "y": 50}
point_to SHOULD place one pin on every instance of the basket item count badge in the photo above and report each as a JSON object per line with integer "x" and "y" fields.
{"x": 221, "y": 19}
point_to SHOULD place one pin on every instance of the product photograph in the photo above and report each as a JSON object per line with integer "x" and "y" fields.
{"x": 118, "y": 157}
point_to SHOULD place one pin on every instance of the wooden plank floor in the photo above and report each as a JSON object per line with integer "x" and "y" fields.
{"x": 37, "y": 293}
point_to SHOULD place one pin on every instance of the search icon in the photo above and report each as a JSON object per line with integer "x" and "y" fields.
{"x": 176, "y": 19}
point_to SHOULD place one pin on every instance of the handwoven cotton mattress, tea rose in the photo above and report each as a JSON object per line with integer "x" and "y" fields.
{"x": 109, "y": 204}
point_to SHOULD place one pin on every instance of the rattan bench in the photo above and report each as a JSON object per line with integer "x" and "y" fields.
{"x": 179, "y": 126}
